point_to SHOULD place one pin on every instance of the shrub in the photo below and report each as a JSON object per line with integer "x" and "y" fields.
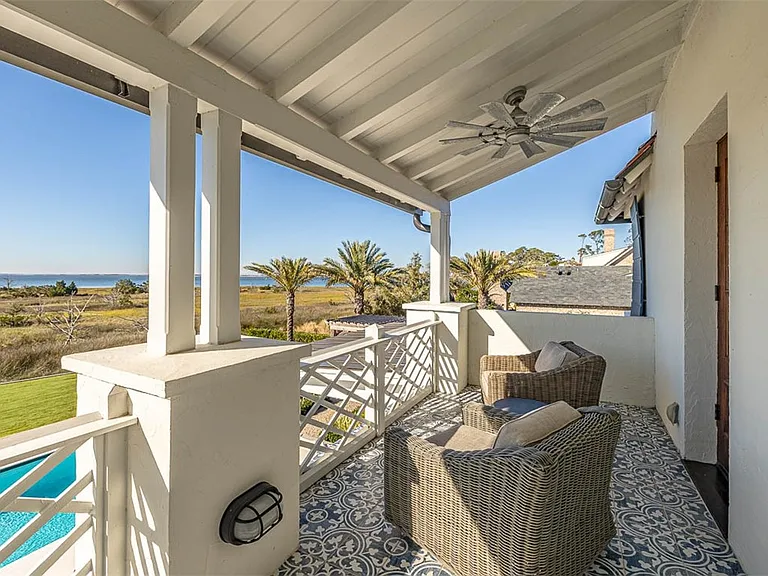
{"x": 342, "y": 423}
{"x": 276, "y": 334}
{"x": 305, "y": 405}
{"x": 127, "y": 286}
{"x": 15, "y": 317}
{"x": 11, "y": 321}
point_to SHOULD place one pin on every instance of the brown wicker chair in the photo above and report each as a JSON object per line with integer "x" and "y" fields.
{"x": 578, "y": 382}
{"x": 533, "y": 511}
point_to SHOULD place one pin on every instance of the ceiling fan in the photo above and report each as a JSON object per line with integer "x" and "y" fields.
{"x": 527, "y": 129}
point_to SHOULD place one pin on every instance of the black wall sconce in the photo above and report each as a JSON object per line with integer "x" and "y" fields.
{"x": 251, "y": 515}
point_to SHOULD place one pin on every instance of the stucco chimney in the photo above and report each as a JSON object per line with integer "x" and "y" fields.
{"x": 609, "y": 239}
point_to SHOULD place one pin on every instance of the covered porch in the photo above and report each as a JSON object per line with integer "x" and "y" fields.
{"x": 359, "y": 94}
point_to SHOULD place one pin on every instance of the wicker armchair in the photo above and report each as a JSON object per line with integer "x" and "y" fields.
{"x": 578, "y": 382}
{"x": 522, "y": 512}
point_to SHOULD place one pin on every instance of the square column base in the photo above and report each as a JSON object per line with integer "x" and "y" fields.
{"x": 451, "y": 358}
{"x": 213, "y": 422}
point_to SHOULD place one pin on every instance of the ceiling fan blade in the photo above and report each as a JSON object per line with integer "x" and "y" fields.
{"x": 468, "y": 125}
{"x": 499, "y": 112}
{"x": 586, "y": 109}
{"x": 457, "y": 140}
{"x": 594, "y": 125}
{"x": 502, "y": 151}
{"x": 559, "y": 139}
{"x": 530, "y": 148}
{"x": 474, "y": 149}
{"x": 542, "y": 105}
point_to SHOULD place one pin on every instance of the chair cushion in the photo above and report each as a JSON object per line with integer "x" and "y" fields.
{"x": 537, "y": 425}
{"x": 518, "y": 405}
{"x": 552, "y": 356}
{"x": 463, "y": 438}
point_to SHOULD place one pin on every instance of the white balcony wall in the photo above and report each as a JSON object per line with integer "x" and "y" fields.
{"x": 626, "y": 343}
{"x": 723, "y": 56}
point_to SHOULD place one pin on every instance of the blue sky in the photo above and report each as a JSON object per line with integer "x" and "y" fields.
{"x": 74, "y": 172}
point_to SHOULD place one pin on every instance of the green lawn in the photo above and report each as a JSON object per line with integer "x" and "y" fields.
{"x": 33, "y": 403}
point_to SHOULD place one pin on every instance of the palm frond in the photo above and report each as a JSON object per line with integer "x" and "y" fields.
{"x": 288, "y": 273}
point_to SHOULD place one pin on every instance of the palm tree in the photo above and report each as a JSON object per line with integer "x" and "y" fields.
{"x": 361, "y": 266}
{"x": 290, "y": 274}
{"x": 486, "y": 269}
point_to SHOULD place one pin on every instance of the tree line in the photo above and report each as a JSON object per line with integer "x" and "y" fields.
{"x": 377, "y": 286}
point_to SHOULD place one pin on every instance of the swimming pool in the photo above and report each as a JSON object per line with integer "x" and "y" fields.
{"x": 50, "y": 486}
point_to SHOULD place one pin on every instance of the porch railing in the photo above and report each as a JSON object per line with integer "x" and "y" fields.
{"x": 351, "y": 392}
{"x": 53, "y": 444}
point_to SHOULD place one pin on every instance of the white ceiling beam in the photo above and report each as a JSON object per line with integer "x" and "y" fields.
{"x": 604, "y": 38}
{"x": 522, "y": 21}
{"x": 626, "y": 114}
{"x": 614, "y": 103}
{"x": 184, "y": 21}
{"x": 316, "y": 66}
{"x": 112, "y": 36}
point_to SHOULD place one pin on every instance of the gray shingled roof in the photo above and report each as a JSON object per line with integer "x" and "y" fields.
{"x": 592, "y": 286}
{"x": 368, "y": 319}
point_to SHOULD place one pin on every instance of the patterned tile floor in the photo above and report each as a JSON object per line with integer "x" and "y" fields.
{"x": 663, "y": 526}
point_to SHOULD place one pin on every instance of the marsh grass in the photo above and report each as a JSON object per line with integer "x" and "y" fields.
{"x": 36, "y": 350}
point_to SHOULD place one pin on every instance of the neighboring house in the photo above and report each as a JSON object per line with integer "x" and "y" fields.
{"x": 610, "y": 256}
{"x": 602, "y": 290}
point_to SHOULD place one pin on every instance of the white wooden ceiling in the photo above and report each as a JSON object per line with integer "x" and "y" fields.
{"x": 387, "y": 75}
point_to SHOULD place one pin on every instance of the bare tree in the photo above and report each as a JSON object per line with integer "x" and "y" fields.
{"x": 140, "y": 324}
{"x": 68, "y": 320}
{"x": 8, "y": 281}
{"x": 39, "y": 310}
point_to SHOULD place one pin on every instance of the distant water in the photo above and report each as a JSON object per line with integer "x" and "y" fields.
{"x": 109, "y": 280}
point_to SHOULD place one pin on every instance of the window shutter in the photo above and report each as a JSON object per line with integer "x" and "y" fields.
{"x": 638, "y": 265}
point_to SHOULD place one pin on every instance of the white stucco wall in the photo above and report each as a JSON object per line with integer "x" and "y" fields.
{"x": 626, "y": 343}
{"x": 724, "y": 55}
{"x": 213, "y": 422}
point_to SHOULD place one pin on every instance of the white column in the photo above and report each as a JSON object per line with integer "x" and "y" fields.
{"x": 171, "y": 221}
{"x": 439, "y": 257}
{"x": 220, "y": 238}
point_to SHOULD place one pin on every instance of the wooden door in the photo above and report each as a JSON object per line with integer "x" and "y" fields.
{"x": 722, "y": 294}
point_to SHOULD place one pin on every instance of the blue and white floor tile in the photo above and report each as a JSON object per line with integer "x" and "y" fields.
{"x": 663, "y": 526}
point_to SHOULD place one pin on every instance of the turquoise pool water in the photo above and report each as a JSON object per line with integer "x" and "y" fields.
{"x": 50, "y": 486}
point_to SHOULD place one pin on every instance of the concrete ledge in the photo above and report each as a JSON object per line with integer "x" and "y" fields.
{"x": 442, "y": 307}
{"x": 167, "y": 376}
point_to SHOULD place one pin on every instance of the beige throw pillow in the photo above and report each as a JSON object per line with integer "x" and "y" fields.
{"x": 552, "y": 356}
{"x": 463, "y": 438}
{"x": 537, "y": 425}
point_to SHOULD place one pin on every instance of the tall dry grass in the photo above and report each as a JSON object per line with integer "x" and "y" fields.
{"x": 33, "y": 357}
{"x": 33, "y": 351}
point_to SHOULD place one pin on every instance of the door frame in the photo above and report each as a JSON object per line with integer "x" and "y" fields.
{"x": 722, "y": 411}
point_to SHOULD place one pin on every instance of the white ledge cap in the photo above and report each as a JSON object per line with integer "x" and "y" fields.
{"x": 455, "y": 307}
{"x": 166, "y": 376}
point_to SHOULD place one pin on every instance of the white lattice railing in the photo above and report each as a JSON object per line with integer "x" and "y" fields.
{"x": 352, "y": 391}
{"x": 55, "y": 443}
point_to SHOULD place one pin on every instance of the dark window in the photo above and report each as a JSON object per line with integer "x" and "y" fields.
{"x": 638, "y": 266}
